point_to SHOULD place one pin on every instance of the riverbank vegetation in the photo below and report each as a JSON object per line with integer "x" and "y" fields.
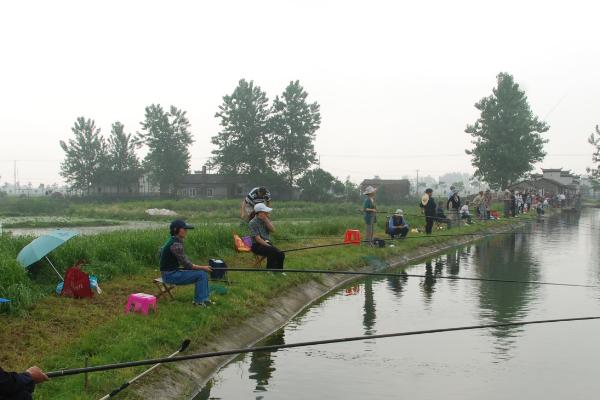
{"x": 56, "y": 332}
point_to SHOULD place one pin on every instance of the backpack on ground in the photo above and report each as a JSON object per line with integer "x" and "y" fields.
{"x": 77, "y": 284}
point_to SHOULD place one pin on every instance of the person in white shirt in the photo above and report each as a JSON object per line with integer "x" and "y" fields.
{"x": 464, "y": 213}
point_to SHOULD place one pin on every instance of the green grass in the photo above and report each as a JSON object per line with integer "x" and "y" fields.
{"x": 56, "y": 332}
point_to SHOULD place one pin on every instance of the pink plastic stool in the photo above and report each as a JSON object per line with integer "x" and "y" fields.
{"x": 141, "y": 303}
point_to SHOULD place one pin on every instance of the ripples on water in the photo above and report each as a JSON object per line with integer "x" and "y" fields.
{"x": 550, "y": 361}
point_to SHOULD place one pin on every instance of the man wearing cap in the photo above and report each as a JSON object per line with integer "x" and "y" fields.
{"x": 177, "y": 269}
{"x": 370, "y": 210}
{"x": 256, "y": 196}
{"x": 261, "y": 228}
{"x": 398, "y": 225}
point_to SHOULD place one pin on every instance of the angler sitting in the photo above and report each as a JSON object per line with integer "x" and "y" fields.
{"x": 173, "y": 258}
{"x": 260, "y": 229}
{"x": 397, "y": 225}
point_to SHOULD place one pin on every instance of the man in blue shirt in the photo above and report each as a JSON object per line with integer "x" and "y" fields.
{"x": 398, "y": 225}
{"x": 177, "y": 269}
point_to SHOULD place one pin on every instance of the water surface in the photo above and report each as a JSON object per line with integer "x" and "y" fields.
{"x": 542, "y": 361}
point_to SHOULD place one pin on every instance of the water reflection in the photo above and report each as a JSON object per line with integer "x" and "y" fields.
{"x": 428, "y": 286}
{"x": 369, "y": 308}
{"x": 509, "y": 258}
{"x": 397, "y": 283}
{"x": 261, "y": 363}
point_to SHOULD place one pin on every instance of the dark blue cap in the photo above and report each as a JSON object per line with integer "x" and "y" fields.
{"x": 177, "y": 225}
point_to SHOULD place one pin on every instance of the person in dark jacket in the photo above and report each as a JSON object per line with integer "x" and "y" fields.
{"x": 177, "y": 269}
{"x": 20, "y": 386}
{"x": 429, "y": 208}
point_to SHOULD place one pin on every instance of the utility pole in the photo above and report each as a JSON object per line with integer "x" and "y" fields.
{"x": 15, "y": 177}
{"x": 417, "y": 185}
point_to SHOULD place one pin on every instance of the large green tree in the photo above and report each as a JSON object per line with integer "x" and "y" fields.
{"x": 507, "y": 136}
{"x": 319, "y": 185}
{"x": 594, "y": 171}
{"x": 123, "y": 167}
{"x": 243, "y": 145}
{"x": 168, "y": 138}
{"x": 294, "y": 123}
{"x": 83, "y": 155}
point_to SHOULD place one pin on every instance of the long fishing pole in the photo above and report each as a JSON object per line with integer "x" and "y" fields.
{"x": 107, "y": 367}
{"x": 184, "y": 345}
{"x": 400, "y": 275}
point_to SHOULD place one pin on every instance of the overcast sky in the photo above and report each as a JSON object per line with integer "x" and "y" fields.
{"x": 396, "y": 81}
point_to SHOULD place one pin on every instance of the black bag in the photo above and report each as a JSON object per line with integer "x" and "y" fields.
{"x": 217, "y": 274}
{"x": 379, "y": 243}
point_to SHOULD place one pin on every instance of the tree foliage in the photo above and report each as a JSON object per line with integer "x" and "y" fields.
{"x": 319, "y": 185}
{"x": 507, "y": 136}
{"x": 123, "y": 167}
{"x": 294, "y": 123}
{"x": 242, "y": 144}
{"x": 83, "y": 155}
{"x": 594, "y": 171}
{"x": 168, "y": 137}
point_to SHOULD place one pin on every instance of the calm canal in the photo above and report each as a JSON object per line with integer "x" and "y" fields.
{"x": 553, "y": 361}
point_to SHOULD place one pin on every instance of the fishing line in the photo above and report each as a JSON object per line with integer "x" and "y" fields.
{"x": 107, "y": 367}
{"x": 400, "y": 275}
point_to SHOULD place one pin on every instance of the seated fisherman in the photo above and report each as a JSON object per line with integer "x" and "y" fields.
{"x": 398, "y": 225}
{"x": 465, "y": 214}
{"x": 260, "y": 229}
{"x": 177, "y": 269}
{"x": 20, "y": 386}
{"x": 441, "y": 218}
{"x": 256, "y": 196}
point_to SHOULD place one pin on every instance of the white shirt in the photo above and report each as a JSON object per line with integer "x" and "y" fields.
{"x": 464, "y": 209}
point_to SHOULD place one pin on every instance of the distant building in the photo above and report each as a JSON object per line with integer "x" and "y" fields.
{"x": 201, "y": 185}
{"x": 390, "y": 189}
{"x": 551, "y": 181}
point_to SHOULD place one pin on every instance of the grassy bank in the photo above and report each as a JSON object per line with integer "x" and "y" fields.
{"x": 56, "y": 332}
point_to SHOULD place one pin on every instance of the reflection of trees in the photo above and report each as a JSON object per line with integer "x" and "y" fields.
{"x": 396, "y": 283}
{"x": 369, "y": 308}
{"x": 506, "y": 257}
{"x": 261, "y": 363}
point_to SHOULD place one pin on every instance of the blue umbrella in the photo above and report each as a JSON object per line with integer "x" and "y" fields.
{"x": 40, "y": 247}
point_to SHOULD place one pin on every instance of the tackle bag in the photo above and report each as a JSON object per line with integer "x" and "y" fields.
{"x": 217, "y": 274}
{"x": 379, "y": 243}
{"x": 77, "y": 284}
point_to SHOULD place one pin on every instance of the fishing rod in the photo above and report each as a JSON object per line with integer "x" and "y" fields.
{"x": 184, "y": 345}
{"x": 400, "y": 275}
{"x": 129, "y": 364}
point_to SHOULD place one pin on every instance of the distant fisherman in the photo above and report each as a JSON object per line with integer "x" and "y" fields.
{"x": 177, "y": 269}
{"x": 370, "y": 210}
{"x": 398, "y": 225}
{"x": 430, "y": 208}
{"x": 256, "y": 196}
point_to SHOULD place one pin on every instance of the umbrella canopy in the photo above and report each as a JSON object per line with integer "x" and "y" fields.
{"x": 40, "y": 247}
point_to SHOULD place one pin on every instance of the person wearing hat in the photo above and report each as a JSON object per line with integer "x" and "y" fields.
{"x": 370, "y": 211}
{"x": 430, "y": 208}
{"x": 261, "y": 228}
{"x": 256, "y": 196}
{"x": 177, "y": 269}
{"x": 398, "y": 225}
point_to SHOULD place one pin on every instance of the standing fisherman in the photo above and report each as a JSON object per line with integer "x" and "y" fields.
{"x": 256, "y": 196}
{"x": 370, "y": 210}
{"x": 430, "y": 208}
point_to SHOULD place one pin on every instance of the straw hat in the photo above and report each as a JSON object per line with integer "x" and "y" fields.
{"x": 369, "y": 190}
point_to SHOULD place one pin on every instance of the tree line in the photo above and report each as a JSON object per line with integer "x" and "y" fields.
{"x": 272, "y": 142}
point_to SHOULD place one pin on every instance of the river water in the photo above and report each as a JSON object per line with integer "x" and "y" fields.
{"x": 554, "y": 361}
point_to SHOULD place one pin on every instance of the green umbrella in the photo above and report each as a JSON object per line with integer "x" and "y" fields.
{"x": 40, "y": 247}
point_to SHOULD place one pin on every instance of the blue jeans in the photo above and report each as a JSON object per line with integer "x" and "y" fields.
{"x": 187, "y": 277}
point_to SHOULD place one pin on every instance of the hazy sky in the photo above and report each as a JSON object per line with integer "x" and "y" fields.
{"x": 396, "y": 80}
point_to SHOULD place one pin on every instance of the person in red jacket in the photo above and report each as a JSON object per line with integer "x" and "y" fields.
{"x": 20, "y": 386}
